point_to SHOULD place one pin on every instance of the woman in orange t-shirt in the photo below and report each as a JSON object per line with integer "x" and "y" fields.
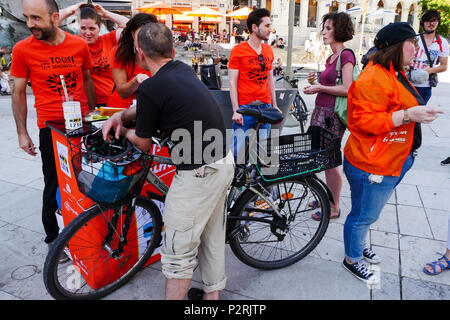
{"x": 126, "y": 67}
{"x": 100, "y": 46}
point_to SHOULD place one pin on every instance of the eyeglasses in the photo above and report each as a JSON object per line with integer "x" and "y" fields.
{"x": 261, "y": 61}
{"x": 432, "y": 21}
{"x": 415, "y": 41}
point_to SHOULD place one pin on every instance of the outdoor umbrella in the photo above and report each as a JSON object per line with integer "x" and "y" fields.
{"x": 241, "y": 13}
{"x": 204, "y": 12}
{"x": 159, "y": 9}
{"x": 382, "y": 13}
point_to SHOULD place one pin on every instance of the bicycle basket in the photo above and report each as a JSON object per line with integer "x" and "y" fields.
{"x": 106, "y": 172}
{"x": 305, "y": 153}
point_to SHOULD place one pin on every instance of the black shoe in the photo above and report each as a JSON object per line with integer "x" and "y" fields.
{"x": 445, "y": 162}
{"x": 359, "y": 270}
{"x": 371, "y": 256}
{"x": 195, "y": 294}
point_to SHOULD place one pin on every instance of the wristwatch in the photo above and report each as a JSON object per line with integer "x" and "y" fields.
{"x": 406, "y": 117}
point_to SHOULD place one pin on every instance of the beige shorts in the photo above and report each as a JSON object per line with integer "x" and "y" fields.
{"x": 194, "y": 221}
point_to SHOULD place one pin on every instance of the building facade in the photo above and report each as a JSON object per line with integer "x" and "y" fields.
{"x": 308, "y": 13}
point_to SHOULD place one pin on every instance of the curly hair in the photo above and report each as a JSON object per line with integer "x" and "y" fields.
{"x": 125, "y": 47}
{"x": 343, "y": 26}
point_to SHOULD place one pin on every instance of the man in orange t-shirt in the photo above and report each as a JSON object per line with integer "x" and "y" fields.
{"x": 251, "y": 79}
{"x": 41, "y": 58}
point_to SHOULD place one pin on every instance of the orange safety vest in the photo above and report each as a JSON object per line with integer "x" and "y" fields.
{"x": 375, "y": 145}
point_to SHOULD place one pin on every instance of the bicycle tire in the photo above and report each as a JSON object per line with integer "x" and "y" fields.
{"x": 254, "y": 237}
{"x": 62, "y": 285}
{"x": 302, "y": 111}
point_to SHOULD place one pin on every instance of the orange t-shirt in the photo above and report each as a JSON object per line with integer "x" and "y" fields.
{"x": 115, "y": 101}
{"x": 101, "y": 66}
{"x": 42, "y": 64}
{"x": 252, "y": 83}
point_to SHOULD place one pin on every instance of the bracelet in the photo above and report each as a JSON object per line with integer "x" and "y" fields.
{"x": 406, "y": 119}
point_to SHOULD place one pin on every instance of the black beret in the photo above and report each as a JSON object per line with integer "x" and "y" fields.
{"x": 393, "y": 33}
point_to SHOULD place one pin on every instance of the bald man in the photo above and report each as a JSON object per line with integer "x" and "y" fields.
{"x": 41, "y": 58}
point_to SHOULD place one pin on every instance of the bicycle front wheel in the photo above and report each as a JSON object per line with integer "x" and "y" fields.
{"x": 260, "y": 244}
{"x": 96, "y": 267}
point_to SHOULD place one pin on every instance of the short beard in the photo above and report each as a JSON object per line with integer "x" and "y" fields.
{"x": 46, "y": 34}
{"x": 260, "y": 36}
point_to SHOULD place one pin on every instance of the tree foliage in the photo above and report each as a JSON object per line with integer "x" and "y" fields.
{"x": 443, "y": 6}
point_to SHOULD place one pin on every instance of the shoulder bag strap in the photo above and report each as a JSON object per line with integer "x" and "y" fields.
{"x": 339, "y": 65}
{"x": 426, "y": 50}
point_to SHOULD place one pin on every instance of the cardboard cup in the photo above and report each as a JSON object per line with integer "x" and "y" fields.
{"x": 72, "y": 115}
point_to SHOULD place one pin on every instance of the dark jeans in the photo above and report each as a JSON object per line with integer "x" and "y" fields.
{"x": 425, "y": 92}
{"x": 49, "y": 204}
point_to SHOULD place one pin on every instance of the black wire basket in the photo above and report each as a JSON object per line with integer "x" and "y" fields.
{"x": 302, "y": 154}
{"x": 103, "y": 180}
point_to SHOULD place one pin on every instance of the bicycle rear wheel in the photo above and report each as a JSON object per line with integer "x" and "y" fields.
{"x": 300, "y": 112}
{"x": 93, "y": 271}
{"x": 260, "y": 244}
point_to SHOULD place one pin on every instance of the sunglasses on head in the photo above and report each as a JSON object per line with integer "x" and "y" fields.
{"x": 261, "y": 61}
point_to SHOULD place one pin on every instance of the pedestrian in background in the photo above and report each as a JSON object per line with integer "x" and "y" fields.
{"x": 308, "y": 51}
{"x": 432, "y": 56}
{"x": 384, "y": 113}
{"x": 436, "y": 60}
{"x": 337, "y": 28}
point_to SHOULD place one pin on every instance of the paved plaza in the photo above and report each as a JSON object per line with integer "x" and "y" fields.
{"x": 411, "y": 231}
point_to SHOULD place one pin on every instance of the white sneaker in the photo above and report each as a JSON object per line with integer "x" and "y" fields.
{"x": 371, "y": 256}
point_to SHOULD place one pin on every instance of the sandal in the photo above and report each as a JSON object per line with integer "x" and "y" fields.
{"x": 318, "y": 215}
{"x": 439, "y": 263}
{"x": 314, "y": 204}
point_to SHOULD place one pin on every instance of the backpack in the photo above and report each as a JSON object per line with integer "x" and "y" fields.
{"x": 340, "y": 106}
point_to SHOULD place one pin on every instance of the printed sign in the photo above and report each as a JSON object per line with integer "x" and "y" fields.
{"x": 63, "y": 156}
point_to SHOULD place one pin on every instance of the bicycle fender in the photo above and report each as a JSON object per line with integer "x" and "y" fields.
{"x": 325, "y": 187}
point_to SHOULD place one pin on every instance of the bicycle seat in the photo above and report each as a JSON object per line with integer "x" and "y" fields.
{"x": 268, "y": 115}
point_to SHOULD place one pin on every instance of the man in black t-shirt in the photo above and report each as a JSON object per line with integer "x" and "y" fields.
{"x": 177, "y": 103}
{"x": 223, "y": 62}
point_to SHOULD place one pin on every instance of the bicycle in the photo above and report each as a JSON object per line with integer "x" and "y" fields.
{"x": 268, "y": 227}
{"x": 298, "y": 109}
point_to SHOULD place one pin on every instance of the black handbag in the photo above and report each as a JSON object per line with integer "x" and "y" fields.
{"x": 433, "y": 78}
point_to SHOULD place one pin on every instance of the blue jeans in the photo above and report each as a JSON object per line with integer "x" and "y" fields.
{"x": 240, "y": 132}
{"x": 368, "y": 199}
{"x": 425, "y": 92}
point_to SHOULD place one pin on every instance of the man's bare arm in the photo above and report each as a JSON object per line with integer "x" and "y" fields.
{"x": 20, "y": 111}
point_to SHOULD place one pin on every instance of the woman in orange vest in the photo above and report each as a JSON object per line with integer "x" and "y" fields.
{"x": 384, "y": 116}
{"x": 100, "y": 46}
{"x": 126, "y": 67}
